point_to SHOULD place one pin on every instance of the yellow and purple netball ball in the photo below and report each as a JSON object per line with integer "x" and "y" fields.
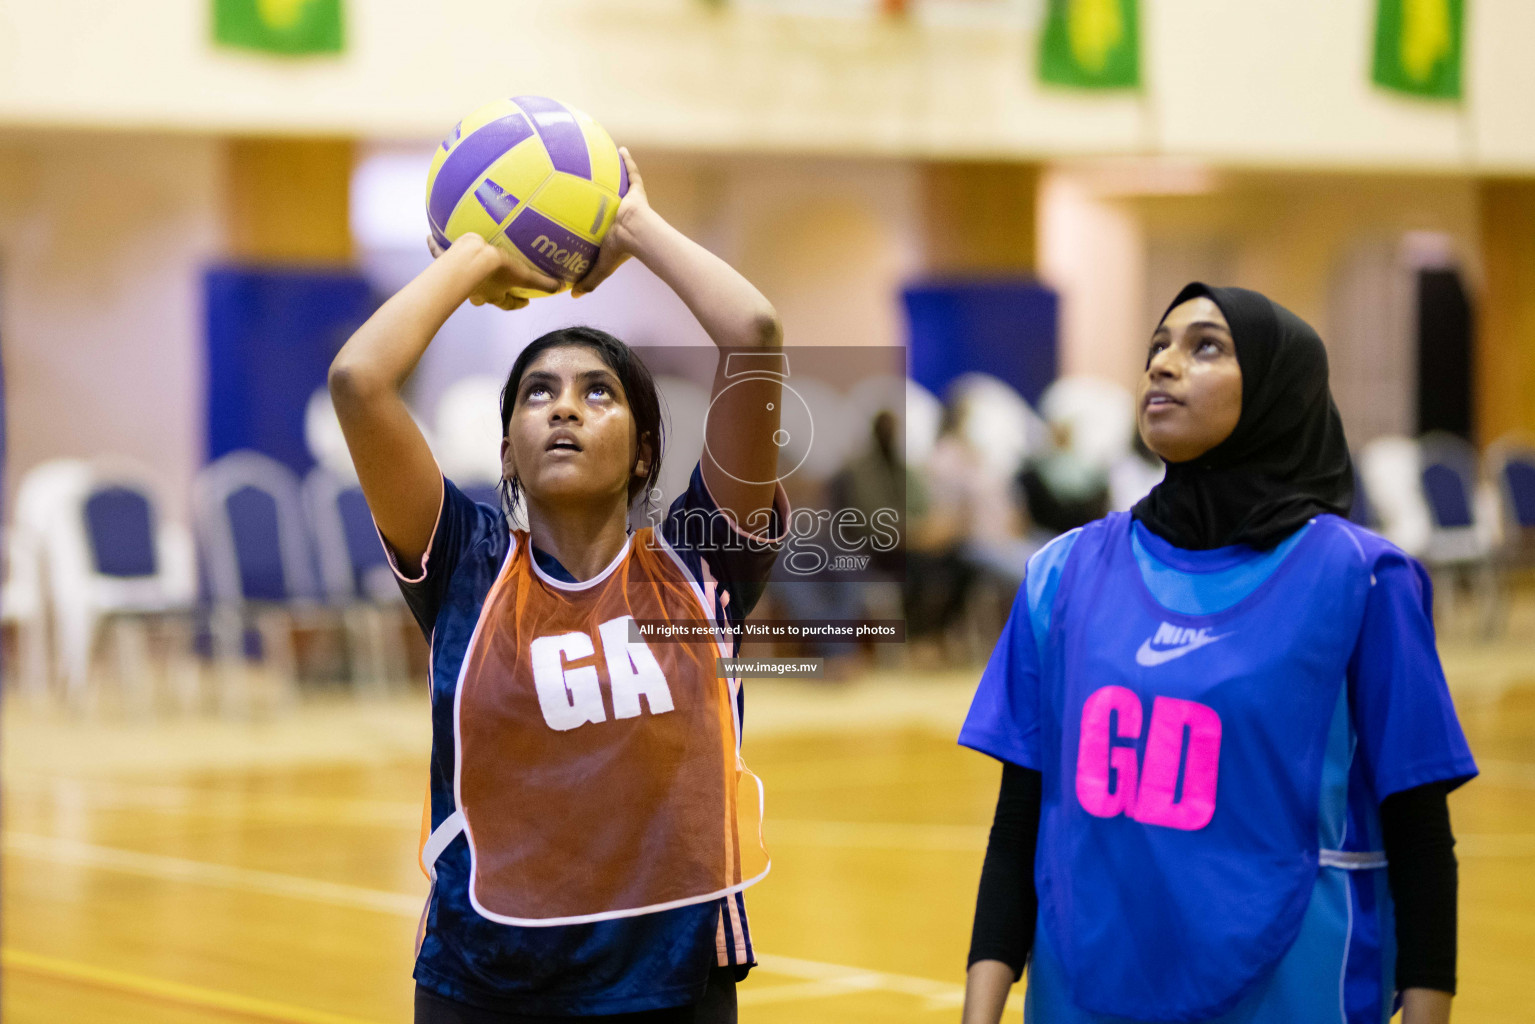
{"x": 533, "y": 176}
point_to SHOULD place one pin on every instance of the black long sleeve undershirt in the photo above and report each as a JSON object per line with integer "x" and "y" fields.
{"x": 1422, "y": 873}
{"x": 1424, "y": 878}
{"x": 1007, "y": 904}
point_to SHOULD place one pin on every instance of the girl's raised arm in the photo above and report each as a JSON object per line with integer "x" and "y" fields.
{"x": 398, "y": 473}
{"x": 736, "y": 316}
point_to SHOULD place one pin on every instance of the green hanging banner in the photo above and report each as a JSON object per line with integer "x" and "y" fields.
{"x": 279, "y": 26}
{"x": 1418, "y": 46}
{"x": 1091, "y": 44}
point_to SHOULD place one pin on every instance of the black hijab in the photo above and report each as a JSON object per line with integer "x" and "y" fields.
{"x": 1286, "y": 459}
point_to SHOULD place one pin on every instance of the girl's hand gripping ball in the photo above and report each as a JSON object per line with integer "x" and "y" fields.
{"x": 533, "y": 177}
{"x": 618, "y": 246}
{"x": 507, "y": 279}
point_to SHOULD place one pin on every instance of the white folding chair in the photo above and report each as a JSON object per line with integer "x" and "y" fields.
{"x": 41, "y": 496}
{"x": 1462, "y": 521}
{"x": 1389, "y": 468}
{"x": 93, "y": 534}
{"x": 1509, "y": 468}
{"x": 259, "y": 567}
{"x": 356, "y": 579}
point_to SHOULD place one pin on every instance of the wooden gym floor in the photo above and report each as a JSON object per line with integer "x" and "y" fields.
{"x": 197, "y": 871}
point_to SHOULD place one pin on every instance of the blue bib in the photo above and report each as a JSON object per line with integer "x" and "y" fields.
{"x": 1182, "y": 788}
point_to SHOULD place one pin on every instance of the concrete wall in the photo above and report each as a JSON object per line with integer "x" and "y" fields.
{"x": 1333, "y": 248}
{"x": 1258, "y": 82}
{"x": 102, "y": 243}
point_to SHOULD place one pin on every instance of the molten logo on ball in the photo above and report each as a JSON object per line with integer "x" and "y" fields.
{"x": 567, "y": 259}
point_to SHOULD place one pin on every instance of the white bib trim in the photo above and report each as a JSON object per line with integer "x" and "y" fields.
{"x": 1352, "y": 860}
{"x": 438, "y": 841}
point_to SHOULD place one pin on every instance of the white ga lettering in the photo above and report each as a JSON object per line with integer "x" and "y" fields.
{"x": 571, "y": 697}
{"x": 570, "y": 259}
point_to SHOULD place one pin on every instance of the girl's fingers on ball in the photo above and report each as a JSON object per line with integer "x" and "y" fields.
{"x": 525, "y": 276}
{"x": 606, "y": 264}
{"x": 629, "y": 164}
{"x": 538, "y": 279}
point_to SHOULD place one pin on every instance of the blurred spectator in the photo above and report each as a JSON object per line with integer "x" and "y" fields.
{"x": 1133, "y": 475}
{"x": 1094, "y": 421}
{"x": 872, "y": 481}
{"x": 962, "y": 521}
{"x": 969, "y": 495}
{"x": 1063, "y": 489}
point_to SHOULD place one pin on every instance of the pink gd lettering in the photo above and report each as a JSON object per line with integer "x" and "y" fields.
{"x": 1097, "y": 758}
{"x": 1149, "y": 798}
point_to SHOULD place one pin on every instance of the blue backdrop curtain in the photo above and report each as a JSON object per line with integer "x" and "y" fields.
{"x": 1006, "y": 328}
{"x": 272, "y": 333}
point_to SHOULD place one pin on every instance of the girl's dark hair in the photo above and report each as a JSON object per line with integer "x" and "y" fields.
{"x": 639, "y": 391}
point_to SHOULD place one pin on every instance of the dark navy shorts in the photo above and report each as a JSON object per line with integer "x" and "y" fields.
{"x": 718, "y": 1006}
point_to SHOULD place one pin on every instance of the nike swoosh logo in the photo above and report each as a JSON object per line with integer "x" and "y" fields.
{"x": 1149, "y": 656}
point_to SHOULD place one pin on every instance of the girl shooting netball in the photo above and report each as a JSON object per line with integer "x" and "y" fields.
{"x": 1225, "y": 734}
{"x": 584, "y": 843}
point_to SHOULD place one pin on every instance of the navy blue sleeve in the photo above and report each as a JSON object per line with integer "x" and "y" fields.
{"x": 713, "y": 545}
{"x": 460, "y": 525}
{"x": 1408, "y": 732}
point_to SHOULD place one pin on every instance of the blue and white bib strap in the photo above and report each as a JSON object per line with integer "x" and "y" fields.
{"x": 1352, "y": 860}
{"x": 438, "y": 841}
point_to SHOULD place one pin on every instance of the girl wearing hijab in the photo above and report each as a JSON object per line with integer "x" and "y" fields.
{"x": 1225, "y": 733}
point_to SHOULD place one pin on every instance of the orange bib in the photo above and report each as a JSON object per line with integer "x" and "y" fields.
{"x": 597, "y": 778}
